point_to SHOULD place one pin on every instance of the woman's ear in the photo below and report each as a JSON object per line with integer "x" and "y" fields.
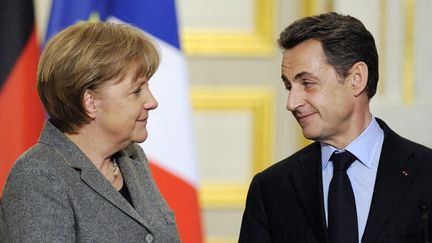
{"x": 89, "y": 103}
{"x": 359, "y": 74}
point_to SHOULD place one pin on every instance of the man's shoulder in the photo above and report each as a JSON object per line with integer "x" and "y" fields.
{"x": 396, "y": 142}
{"x": 413, "y": 150}
{"x": 288, "y": 164}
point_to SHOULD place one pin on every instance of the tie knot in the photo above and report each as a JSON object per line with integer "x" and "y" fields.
{"x": 343, "y": 160}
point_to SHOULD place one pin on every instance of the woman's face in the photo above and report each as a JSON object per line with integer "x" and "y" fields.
{"x": 122, "y": 109}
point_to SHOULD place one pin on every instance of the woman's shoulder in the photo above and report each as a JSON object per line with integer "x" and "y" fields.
{"x": 39, "y": 155}
{"x": 40, "y": 162}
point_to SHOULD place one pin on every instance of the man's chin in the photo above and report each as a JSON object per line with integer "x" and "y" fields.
{"x": 309, "y": 135}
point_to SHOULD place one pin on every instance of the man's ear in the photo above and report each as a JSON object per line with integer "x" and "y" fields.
{"x": 359, "y": 78}
{"x": 89, "y": 103}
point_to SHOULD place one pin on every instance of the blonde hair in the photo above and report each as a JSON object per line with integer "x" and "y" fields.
{"x": 84, "y": 56}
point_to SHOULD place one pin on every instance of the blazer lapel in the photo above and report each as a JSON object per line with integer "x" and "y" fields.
{"x": 77, "y": 160}
{"x": 394, "y": 175}
{"x": 97, "y": 182}
{"x": 307, "y": 183}
{"x": 138, "y": 198}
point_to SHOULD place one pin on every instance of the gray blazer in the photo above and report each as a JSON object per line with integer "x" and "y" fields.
{"x": 55, "y": 194}
{"x": 1, "y": 222}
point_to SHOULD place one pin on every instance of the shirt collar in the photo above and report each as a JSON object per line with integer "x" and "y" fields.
{"x": 361, "y": 147}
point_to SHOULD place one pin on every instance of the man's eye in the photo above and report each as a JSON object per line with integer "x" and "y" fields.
{"x": 307, "y": 83}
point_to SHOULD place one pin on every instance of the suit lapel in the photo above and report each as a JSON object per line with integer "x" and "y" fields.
{"x": 307, "y": 183}
{"x": 395, "y": 173}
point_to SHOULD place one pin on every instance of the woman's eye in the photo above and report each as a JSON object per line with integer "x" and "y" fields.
{"x": 137, "y": 91}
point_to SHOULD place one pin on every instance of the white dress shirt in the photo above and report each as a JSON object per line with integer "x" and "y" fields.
{"x": 362, "y": 172}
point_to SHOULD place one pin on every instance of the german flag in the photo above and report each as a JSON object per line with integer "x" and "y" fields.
{"x": 21, "y": 113}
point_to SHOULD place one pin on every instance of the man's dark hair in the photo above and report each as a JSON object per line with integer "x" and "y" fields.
{"x": 344, "y": 39}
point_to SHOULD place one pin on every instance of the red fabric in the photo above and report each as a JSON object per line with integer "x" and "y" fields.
{"x": 182, "y": 199}
{"x": 22, "y": 114}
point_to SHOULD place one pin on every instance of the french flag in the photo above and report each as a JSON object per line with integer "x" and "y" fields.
{"x": 22, "y": 115}
{"x": 169, "y": 146}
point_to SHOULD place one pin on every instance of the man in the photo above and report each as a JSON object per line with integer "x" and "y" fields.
{"x": 330, "y": 69}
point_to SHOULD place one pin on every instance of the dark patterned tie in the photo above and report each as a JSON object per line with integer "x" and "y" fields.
{"x": 342, "y": 215}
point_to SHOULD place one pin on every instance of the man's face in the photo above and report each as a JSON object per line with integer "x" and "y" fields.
{"x": 320, "y": 100}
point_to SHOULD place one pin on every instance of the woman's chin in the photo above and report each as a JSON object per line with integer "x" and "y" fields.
{"x": 139, "y": 138}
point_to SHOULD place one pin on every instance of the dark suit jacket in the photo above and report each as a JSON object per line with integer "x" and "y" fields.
{"x": 55, "y": 194}
{"x": 285, "y": 201}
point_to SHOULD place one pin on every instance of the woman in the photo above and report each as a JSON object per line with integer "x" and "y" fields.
{"x": 86, "y": 180}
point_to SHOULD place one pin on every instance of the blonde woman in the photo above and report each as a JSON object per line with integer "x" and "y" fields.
{"x": 86, "y": 180}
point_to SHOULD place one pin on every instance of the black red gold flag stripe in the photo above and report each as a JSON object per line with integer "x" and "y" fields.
{"x": 21, "y": 113}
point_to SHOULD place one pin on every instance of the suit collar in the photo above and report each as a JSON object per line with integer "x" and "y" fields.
{"x": 89, "y": 174}
{"x": 306, "y": 179}
{"x": 395, "y": 173}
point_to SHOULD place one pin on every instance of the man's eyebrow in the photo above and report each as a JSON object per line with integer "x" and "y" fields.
{"x": 298, "y": 76}
{"x": 301, "y": 75}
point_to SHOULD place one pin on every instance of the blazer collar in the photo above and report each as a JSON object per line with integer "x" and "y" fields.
{"x": 306, "y": 178}
{"x": 395, "y": 173}
{"x": 89, "y": 174}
